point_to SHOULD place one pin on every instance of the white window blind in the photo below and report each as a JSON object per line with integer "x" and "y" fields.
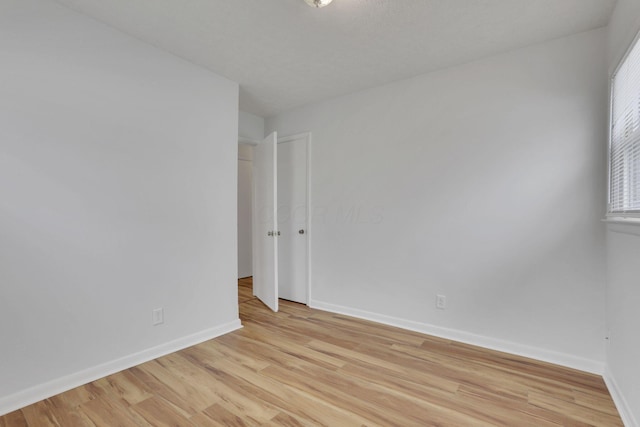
{"x": 624, "y": 148}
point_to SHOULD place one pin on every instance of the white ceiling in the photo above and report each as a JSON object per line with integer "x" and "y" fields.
{"x": 285, "y": 53}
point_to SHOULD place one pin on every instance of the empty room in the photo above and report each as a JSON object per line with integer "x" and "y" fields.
{"x": 319, "y": 213}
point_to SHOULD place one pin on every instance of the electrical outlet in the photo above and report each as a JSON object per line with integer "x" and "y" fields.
{"x": 441, "y": 302}
{"x": 158, "y": 316}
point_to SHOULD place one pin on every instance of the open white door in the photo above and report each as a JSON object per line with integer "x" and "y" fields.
{"x": 265, "y": 221}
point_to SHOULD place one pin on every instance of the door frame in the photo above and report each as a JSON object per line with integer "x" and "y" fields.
{"x": 252, "y": 143}
{"x": 306, "y": 136}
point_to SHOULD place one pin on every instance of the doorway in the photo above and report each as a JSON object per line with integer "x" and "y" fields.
{"x": 293, "y": 219}
{"x": 281, "y": 231}
{"x": 245, "y": 202}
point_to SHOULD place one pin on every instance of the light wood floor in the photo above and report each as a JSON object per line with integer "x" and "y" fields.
{"x": 304, "y": 367}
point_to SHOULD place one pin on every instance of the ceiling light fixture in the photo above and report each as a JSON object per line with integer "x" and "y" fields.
{"x": 318, "y": 3}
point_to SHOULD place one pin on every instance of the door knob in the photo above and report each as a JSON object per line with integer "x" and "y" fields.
{"x": 300, "y": 231}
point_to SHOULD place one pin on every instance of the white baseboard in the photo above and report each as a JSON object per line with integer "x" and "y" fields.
{"x": 562, "y": 359}
{"x": 43, "y": 391}
{"x": 618, "y": 398}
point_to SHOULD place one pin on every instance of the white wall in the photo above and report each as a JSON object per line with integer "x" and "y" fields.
{"x": 483, "y": 182}
{"x": 623, "y": 252}
{"x": 623, "y": 27}
{"x": 245, "y": 203}
{"x": 118, "y": 196}
{"x": 250, "y": 126}
{"x": 623, "y": 319}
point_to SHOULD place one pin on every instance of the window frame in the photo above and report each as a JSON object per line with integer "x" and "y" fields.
{"x": 615, "y": 216}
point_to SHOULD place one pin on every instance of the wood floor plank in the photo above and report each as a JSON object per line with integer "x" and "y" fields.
{"x": 453, "y": 371}
{"x": 126, "y": 386}
{"x": 106, "y": 411}
{"x": 13, "y": 419}
{"x": 518, "y": 412}
{"x": 209, "y": 352}
{"x": 239, "y": 403}
{"x": 170, "y": 395}
{"x": 267, "y": 352}
{"x": 284, "y": 420}
{"x": 305, "y": 352}
{"x": 203, "y": 420}
{"x": 574, "y": 411}
{"x": 600, "y": 401}
{"x": 367, "y": 331}
{"x": 343, "y": 399}
{"x": 74, "y": 397}
{"x": 223, "y": 416}
{"x": 66, "y": 415}
{"x": 305, "y": 367}
{"x": 159, "y": 414}
{"x": 292, "y": 400}
{"x": 386, "y": 366}
{"x": 39, "y": 415}
{"x": 183, "y": 391}
{"x": 520, "y": 366}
